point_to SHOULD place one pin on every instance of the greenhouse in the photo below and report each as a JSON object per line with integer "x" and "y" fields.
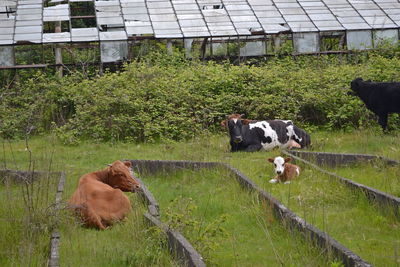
{"x": 254, "y": 27}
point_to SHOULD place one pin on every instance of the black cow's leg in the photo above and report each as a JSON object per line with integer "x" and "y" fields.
{"x": 383, "y": 118}
{"x": 234, "y": 147}
{"x": 252, "y": 148}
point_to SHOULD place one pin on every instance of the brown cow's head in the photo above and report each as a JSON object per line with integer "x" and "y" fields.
{"x": 120, "y": 176}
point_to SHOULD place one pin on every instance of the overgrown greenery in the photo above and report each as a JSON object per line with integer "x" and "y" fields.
{"x": 168, "y": 97}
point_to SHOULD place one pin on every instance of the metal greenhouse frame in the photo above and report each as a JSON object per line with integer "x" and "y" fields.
{"x": 116, "y": 25}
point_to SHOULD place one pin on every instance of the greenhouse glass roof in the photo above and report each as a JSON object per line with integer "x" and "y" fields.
{"x": 24, "y": 21}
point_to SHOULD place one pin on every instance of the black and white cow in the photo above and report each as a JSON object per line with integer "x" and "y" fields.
{"x": 380, "y": 98}
{"x": 250, "y": 135}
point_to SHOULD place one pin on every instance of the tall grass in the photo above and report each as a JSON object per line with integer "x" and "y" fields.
{"x": 128, "y": 243}
{"x": 226, "y": 224}
{"x": 375, "y": 174}
{"x": 368, "y": 141}
{"x": 27, "y": 218}
{"x": 346, "y": 216}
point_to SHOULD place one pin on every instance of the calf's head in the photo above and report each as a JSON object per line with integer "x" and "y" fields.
{"x": 120, "y": 176}
{"x": 279, "y": 164}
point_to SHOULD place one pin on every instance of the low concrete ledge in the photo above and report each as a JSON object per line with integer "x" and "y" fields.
{"x": 384, "y": 200}
{"x": 178, "y": 244}
{"x": 147, "y": 196}
{"x": 20, "y": 176}
{"x": 54, "y": 258}
{"x": 338, "y": 159}
{"x": 293, "y": 221}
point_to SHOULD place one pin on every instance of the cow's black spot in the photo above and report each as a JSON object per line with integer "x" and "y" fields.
{"x": 265, "y": 126}
{"x": 267, "y": 139}
{"x": 261, "y": 135}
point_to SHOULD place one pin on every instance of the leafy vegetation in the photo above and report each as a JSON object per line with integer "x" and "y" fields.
{"x": 166, "y": 97}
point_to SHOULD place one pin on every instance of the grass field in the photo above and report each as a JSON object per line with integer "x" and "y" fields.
{"x": 344, "y": 214}
{"x": 375, "y": 174}
{"x": 129, "y": 243}
{"x": 226, "y": 224}
{"x": 360, "y": 141}
{"x": 26, "y": 221}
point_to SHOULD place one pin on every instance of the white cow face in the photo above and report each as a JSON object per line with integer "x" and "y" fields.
{"x": 279, "y": 164}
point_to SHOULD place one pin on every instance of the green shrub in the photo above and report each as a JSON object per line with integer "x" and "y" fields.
{"x": 169, "y": 97}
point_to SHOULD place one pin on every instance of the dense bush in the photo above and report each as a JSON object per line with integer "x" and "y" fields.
{"x": 168, "y": 97}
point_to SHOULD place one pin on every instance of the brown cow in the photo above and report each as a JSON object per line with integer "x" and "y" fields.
{"x": 99, "y": 199}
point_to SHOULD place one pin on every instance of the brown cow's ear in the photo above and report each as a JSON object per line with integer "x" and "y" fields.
{"x": 246, "y": 121}
{"x": 128, "y": 164}
{"x": 288, "y": 159}
{"x": 271, "y": 160}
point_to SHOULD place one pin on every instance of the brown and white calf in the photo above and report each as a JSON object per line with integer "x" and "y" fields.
{"x": 285, "y": 171}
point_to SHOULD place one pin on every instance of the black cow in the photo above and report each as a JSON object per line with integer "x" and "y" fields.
{"x": 380, "y": 98}
{"x": 251, "y": 135}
